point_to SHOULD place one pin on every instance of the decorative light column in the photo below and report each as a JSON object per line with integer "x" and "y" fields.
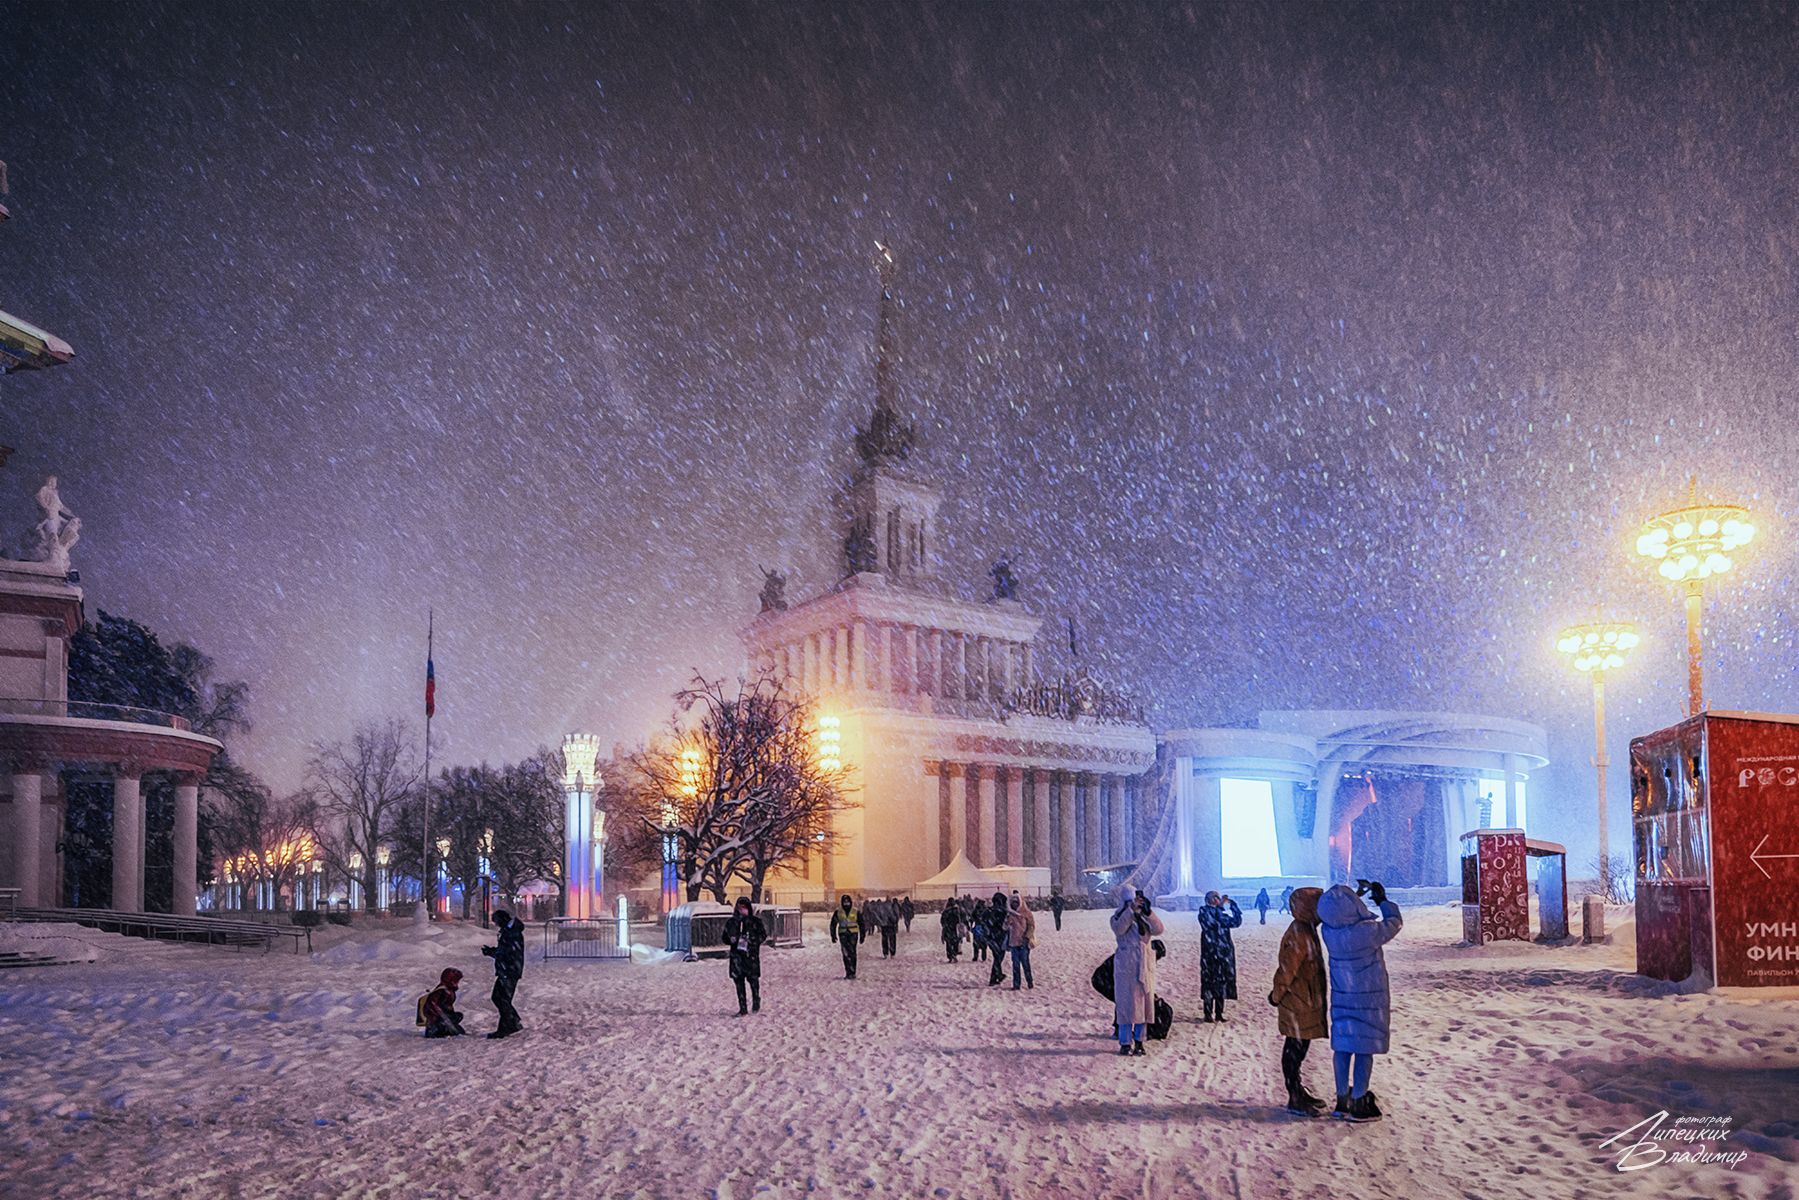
{"x": 443, "y": 876}
{"x": 485, "y": 869}
{"x": 1595, "y": 648}
{"x": 384, "y": 855}
{"x": 1693, "y": 544}
{"x": 692, "y": 767}
{"x": 353, "y": 893}
{"x": 580, "y": 751}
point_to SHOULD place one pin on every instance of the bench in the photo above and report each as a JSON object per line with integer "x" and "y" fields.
{"x": 162, "y": 926}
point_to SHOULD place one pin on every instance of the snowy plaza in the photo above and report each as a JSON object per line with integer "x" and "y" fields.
{"x": 179, "y": 1071}
{"x": 535, "y": 535}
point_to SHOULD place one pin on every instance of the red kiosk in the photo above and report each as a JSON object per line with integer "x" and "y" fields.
{"x": 1496, "y": 887}
{"x": 1715, "y": 805}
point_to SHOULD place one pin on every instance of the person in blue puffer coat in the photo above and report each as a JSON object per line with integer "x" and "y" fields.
{"x": 1360, "y": 1000}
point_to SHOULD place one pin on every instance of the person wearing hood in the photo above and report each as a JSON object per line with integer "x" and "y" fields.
{"x": 437, "y": 1010}
{"x": 951, "y": 924}
{"x": 1134, "y": 926}
{"x": 744, "y": 935}
{"x": 906, "y": 912}
{"x": 1360, "y": 1000}
{"x": 996, "y": 938}
{"x": 1263, "y": 903}
{"x": 848, "y": 932}
{"x": 977, "y": 929}
{"x": 1217, "y": 953}
{"x": 1021, "y": 935}
{"x": 1300, "y": 993}
{"x": 508, "y": 968}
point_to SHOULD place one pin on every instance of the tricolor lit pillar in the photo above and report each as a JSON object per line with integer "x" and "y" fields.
{"x": 579, "y": 753}
{"x": 692, "y": 770}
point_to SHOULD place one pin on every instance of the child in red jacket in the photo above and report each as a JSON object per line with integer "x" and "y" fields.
{"x": 437, "y": 1009}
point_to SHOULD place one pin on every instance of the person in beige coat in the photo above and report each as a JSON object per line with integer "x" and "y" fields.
{"x": 1021, "y": 935}
{"x": 1134, "y": 925}
{"x": 1301, "y": 994}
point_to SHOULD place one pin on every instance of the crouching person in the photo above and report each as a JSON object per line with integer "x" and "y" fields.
{"x": 1360, "y": 1001}
{"x": 437, "y": 1008}
{"x": 1300, "y": 993}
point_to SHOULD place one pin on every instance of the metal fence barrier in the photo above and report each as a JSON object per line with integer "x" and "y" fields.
{"x": 575, "y": 937}
{"x": 688, "y": 932}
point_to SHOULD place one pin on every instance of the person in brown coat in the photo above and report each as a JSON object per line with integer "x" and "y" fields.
{"x": 1301, "y": 994}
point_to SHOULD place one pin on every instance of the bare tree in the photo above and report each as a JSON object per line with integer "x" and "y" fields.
{"x": 263, "y": 836}
{"x": 359, "y": 786}
{"x": 738, "y": 783}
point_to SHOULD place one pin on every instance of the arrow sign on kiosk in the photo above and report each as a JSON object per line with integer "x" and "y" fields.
{"x": 1756, "y": 855}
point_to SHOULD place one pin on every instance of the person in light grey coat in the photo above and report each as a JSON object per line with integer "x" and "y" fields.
{"x": 1134, "y": 925}
{"x": 1361, "y": 1006}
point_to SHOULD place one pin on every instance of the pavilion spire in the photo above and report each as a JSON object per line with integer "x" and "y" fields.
{"x": 887, "y": 438}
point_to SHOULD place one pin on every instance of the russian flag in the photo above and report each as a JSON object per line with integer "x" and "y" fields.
{"x": 430, "y": 687}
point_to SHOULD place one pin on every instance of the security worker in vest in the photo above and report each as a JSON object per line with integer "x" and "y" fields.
{"x": 847, "y": 932}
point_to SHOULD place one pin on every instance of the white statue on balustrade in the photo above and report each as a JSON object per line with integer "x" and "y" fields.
{"x": 57, "y": 530}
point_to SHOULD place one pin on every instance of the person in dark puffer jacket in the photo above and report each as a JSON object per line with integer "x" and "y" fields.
{"x": 508, "y": 968}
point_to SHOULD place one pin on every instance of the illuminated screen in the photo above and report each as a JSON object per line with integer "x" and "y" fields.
{"x": 1246, "y": 822}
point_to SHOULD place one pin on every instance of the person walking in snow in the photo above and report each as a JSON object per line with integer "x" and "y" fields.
{"x": 996, "y": 938}
{"x": 1263, "y": 903}
{"x": 848, "y": 932}
{"x": 1360, "y": 999}
{"x": 1286, "y": 899}
{"x": 1301, "y": 995}
{"x": 977, "y": 928}
{"x": 890, "y": 921}
{"x": 508, "y": 968}
{"x": 951, "y": 925}
{"x": 437, "y": 1010}
{"x": 744, "y": 934}
{"x": 1217, "y": 953}
{"x": 1134, "y": 926}
{"x": 1021, "y": 935}
{"x": 1056, "y": 905}
{"x": 906, "y": 912}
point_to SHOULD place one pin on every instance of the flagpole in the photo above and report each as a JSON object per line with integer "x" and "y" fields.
{"x": 428, "y": 885}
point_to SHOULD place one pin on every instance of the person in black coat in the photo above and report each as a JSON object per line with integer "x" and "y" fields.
{"x": 951, "y": 923}
{"x": 508, "y": 968}
{"x": 744, "y": 935}
{"x": 995, "y": 933}
{"x": 1218, "y": 954}
{"x": 848, "y": 932}
{"x": 977, "y": 928}
{"x": 1056, "y": 905}
{"x": 906, "y": 912}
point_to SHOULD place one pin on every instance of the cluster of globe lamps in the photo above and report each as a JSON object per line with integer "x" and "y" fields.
{"x": 1689, "y": 545}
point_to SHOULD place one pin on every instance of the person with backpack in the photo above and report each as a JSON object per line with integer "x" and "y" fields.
{"x": 848, "y": 932}
{"x": 1021, "y": 935}
{"x": 508, "y": 968}
{"x": 1301, "y": 994}
{"x": 1360, "y": 998}
{"x": 1134, "y": 926}
{"x": 744, "y": 935}
{"x": 1217, "y": 953}
{"x": 1263, "y": 903}
{"x": 951, "y": 925}
{"x": 437, "y": 1007}
{"x": 906, "y": 912}
{"x": 1056, "y": 905}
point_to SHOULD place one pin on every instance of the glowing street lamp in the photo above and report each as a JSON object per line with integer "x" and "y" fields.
{"x": 355, "y": 889}
{"x": 829, "y": 740}
{"x": 1691, "y": 545}
{"x": 1595, "y": 648}
{"x": 692, "y": 768}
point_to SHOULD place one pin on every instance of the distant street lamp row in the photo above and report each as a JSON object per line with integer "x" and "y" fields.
{"x": 1690, "y": 545}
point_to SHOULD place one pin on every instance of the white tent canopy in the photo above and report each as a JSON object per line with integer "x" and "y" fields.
{"x": 962, "y": 877}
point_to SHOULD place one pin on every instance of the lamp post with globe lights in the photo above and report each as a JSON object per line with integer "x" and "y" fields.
{"x": 1595, "y": 648}
{"x": 1692, "y": 544}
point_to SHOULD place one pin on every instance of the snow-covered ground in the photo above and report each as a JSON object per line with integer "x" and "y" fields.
{"x": 186, "y": 1071}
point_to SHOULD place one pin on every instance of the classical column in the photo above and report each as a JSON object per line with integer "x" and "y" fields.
{"x": 959, "y": 660}
{"x": 890, "y": 639}
{"x": 1093, "y": 822}
{"x": 958, "y": 808}
{"x": 933, "y": 820}
{"x": 1040, "y": 856}
{"x": 187, "y": 844}
{"x": 27, "y": 832}
{"x": 1208, "y": 833}
{"x": 1015, "y": 852}
{"x": 1065, "y": 864}
{"x": 1116, "y": 851}
{"x": 1028, "y": 667}
{"x": 989, "y": 818}
{"x": 840, "y": 660}
{"x": 983, "y": 668}
{"x": 931, "y": 678}
{"x": 127, "y": 841}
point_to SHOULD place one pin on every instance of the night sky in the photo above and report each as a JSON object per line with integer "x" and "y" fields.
{"x": 1304, "y": 355}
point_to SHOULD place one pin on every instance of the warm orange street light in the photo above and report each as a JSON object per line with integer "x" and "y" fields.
{"x": 1694, "y": 544}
